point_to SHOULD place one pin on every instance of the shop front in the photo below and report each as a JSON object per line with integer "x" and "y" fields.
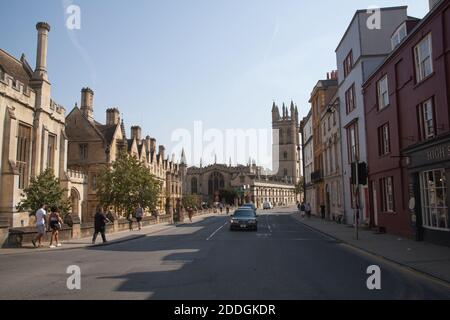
{"x": 429, "y": 173}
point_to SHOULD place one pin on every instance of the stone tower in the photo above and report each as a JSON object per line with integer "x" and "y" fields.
{"x": 286, "y": 142}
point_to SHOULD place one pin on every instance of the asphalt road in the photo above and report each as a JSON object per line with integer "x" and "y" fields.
{"x": 204, "y": 260}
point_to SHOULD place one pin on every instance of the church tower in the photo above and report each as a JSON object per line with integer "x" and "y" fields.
{"x": 286, "y": 143}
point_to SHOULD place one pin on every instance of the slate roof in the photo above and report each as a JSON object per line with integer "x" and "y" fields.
{"x": 18, "y": 69}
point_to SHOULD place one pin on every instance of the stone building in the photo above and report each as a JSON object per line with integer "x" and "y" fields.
{"x": 308, "y": 160}
{"x": 321, "y": 95}
{"x": 32, "y": 132}
{"x": 331, "y": 149}
{"x": 92, "y": 145}
{"x": 250, "y": 181}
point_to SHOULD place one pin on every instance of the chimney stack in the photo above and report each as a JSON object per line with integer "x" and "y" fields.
{"x": 136, "y": 133}
{"x": 152, "y": 145}
{"x": 112, "y": 116}
{"x": 87, "y": 103}
{"x": 43, "y": 29}
{"x": 162, "y": 149}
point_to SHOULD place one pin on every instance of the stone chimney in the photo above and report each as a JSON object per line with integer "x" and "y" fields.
{"x": 112, "y": 116}
{"x": 152, "y": 145}
{"x": 162, "y": 150}
{"x": 87, "y": 103}
{"x": 136, "y": 133}
{"x": 43, "y": 29}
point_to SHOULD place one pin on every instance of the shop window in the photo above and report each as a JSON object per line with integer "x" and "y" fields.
{"x": 433, "y": 187}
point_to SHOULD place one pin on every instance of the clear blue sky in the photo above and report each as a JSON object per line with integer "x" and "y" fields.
{"x": 168, "y": 63}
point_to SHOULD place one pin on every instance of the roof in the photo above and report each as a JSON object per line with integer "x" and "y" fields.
{"x": 18, "y": 69}
{"x": 106, "y": 131}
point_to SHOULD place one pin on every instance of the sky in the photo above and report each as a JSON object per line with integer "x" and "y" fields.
{"x": 169, "y": 64}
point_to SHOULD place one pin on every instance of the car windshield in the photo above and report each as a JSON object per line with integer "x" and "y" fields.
{"x": 244, "y": 214}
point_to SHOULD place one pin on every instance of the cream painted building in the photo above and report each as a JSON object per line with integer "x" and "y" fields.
{"x": 32, "y": 132}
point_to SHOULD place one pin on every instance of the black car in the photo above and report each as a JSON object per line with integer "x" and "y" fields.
{"x": 244, "y": 219}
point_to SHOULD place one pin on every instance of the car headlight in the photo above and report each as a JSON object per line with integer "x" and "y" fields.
{"x": 232, "y": 221}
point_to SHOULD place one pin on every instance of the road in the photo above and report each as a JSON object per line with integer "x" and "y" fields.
{"x": 282, "y": 260}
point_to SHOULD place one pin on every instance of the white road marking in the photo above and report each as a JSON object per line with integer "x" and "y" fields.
{"x": 268, "y": 225}
{"x": 214, "y": 233}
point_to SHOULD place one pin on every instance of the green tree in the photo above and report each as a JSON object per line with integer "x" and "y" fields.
{"x": 126, "y": 184}
{"x": 44, "y": 189}
{"x": 229, "y": 195}
{"x": 300, "y": 187}
{"x": 191, "y": 201}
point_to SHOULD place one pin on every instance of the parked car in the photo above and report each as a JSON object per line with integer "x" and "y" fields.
{"x": 267, "y": 205}
{"x": 244, "y": 219}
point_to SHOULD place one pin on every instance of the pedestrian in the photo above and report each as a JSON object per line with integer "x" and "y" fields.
{"x": 40, "y": 225}
{"x": 322, "y": 211}
{"x": 302, "y": 209}
{"x": 190, "y": 213}
{"x": 228, "y": 209}
{"x": 100, "y": 221}
{"x": 308, "y": 210}
{"x": 130, "y": 221}
{"x": 221, "y": 207}
{"x": 139, "y": 215}
{"x": 55, "y": 225}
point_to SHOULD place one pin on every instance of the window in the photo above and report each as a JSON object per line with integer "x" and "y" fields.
{"x": 348, "y": 64}
{"x": 285, "y": 155}
{"x": 23, "y": 154}
{"x": 353, "y": 142}
{"x": 384, "y": 143}
{"x": 422, "y": 58}
{"x": 83, "y": 151}
{"x": 350, "y": 99}
{"x": 289, "y": 136}
{"x": 285, "y": 172}
{"x": 94, "y": 182}
{"x": 387, "y": 194}
{"x": 383, "y": 93}
{"x": 194, "y": 183}
{"x": 426, "y": 120}
{"x": 51, "y": 148}
{"x": 398, "y": 36}
{"x": 434, "y": 199}
{"x": 329, "y": 123}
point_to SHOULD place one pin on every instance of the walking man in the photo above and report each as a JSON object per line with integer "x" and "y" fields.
{"x": 40, "y": 225}
{"x": 139, "y": 215}
{"x": 100, "y": 225}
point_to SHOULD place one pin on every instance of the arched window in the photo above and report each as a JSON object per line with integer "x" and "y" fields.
{"x": 289, "y": 136}
{"x": 285, "y": 172}
{"x": 194, "y": 182}
{"x": 285, "y": 155}
{"x": 216, "y": 183}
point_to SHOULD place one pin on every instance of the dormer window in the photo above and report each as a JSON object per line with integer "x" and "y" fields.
{"x": 398, "y": 36}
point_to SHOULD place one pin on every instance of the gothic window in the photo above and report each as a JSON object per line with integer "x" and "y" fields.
{"x": 285, "y": 155}
{"x": 194, "y": 183}
{"x": 51, "y": 148}
{"x": 216, "y": 183}
{"x": 23, "y": 154}
{"x": 285, "y": 172}
{"x": 289, "y": 136}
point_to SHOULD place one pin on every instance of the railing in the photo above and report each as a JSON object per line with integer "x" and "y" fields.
{"x": 78, "y": 175}
{"x": 316, "y": 176}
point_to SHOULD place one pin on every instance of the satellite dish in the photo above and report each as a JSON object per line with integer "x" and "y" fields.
{"x": 412, "y": 203}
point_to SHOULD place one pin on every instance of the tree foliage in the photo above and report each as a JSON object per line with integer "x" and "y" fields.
{"x": 191, "y": 201}
{"x": 300, "y": 187}
{"x": 126, "y": 184}
{"x": 44, "y": 189}
{"x": 229, "y": 195}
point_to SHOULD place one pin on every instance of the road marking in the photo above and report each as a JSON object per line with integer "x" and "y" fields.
{"x": 268, "y": 225}
{"x": 213, "y": 234}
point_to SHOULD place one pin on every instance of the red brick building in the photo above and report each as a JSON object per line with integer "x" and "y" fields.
{"x": 408, "y": 130}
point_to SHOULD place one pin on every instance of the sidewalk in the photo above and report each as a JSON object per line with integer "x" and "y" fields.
{"x": 424, "y": 257}
{"x": 113, "y": 238}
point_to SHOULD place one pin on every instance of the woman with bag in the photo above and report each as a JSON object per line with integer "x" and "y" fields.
{"x": 55, "y": 225}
